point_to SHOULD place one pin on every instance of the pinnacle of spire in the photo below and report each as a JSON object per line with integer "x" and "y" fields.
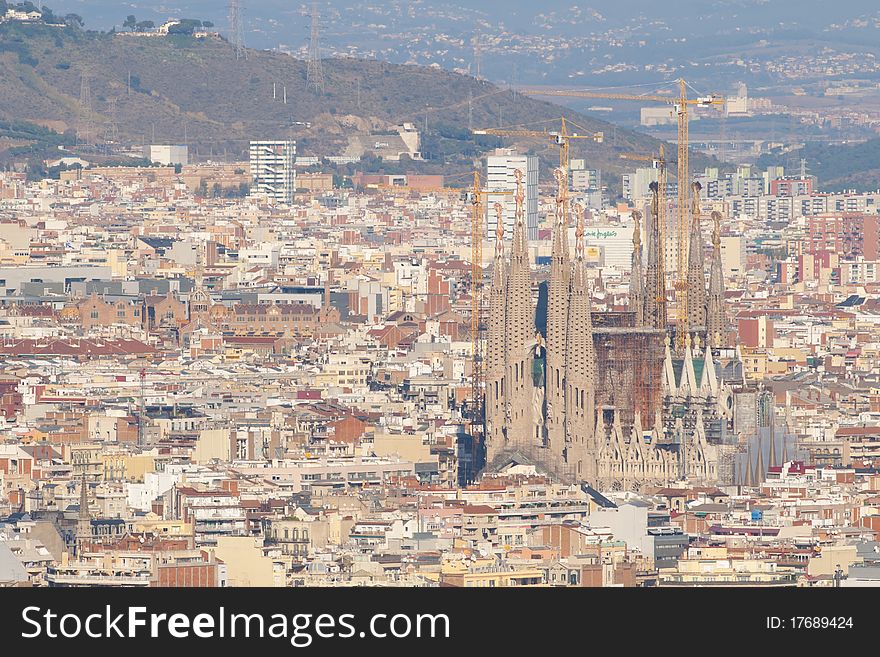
{"x": 84, "y": 498}
{"x": 696, "y": 277}
{"x": 637, "y": 231}
{"x": 655, "y": 283}
{"x": 716, "y": 231}
{"x": 519, "y": 248}
{"x": 750, "y": 477}
{"x": 773, "y": 462}
{"x": 759, "y": 463}
{"x": 579, "y": 235}
{"x": 715, "y": 314}
{"x": 561, "y": 197}
{"x": 636, "y": 284}
{"x": 499, "y": 230}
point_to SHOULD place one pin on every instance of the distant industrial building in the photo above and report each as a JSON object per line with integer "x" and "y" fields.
{"x": 272, "y": 169}
{"x": 167, "y": 154}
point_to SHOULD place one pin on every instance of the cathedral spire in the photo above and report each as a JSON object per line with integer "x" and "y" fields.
{"x": 557, "y": 322}
{"x": 716, "y": 323}
{"x": 519, "y": 249}
{"x": 636, "y": 284}
{"x": 83, "y": 524}
{"x": 579, "y": 237}
{"x": 750, "y": 477}
{"x": 773, "y": 461}
{"x": 580, "y": 370}
{"x": 495, "y": 344}
{"x": 696, "y": 276}
{"x": 655, "y": 288}
{"x": 519, "y": 335}
{"x": 499, "y": 231}
{"x": 759, "y": 463}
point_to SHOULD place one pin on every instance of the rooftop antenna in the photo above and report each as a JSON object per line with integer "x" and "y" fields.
{"x": 236, "y": 29}
{"x": 314, "y": 73}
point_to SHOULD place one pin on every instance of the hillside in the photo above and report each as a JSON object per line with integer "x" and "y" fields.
{"x": 178, "y": 88}
{"x": 838, "y": 167}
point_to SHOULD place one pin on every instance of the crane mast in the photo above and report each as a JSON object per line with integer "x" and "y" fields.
{"x": 680, "y": 105}
{"x": 562, "y": 138}
{"x": 661, "y": 238}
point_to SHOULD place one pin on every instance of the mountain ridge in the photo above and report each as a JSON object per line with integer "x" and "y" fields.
{"x": 177, "y": 89}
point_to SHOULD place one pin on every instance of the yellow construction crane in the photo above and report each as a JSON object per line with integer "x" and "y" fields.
{"x": 560, "y": 137}
{"x": 658, "y": 162}
{"x": 681, "y": 104}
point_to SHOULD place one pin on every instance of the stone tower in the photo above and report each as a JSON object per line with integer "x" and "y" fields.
{"x": 519, "y": 333}
{"x": 495, "y": 358}
{"x": 557, "y": 320}
{"x": 636, "y": 282}
{"x": 84, "y": 521}
{"x": 580, "y": 373}
{"x": 655, "y": 283}
{"x": 696, "y": 276}
{"x": 716, "y": 322}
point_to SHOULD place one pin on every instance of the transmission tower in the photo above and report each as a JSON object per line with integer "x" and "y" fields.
{"x": 111, "y": 135}
{"x": 477, "y": 57}
{"x": 84, "y": 129}
{"x": 314, "y": 73}
{"x": 236, "y": 29}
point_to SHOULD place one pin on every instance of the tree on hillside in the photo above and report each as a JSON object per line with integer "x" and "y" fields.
{"x": 73, "y": 20}
{"x": 130, "y": 22}
{"x": 185, "y": 26}
{"x": 143, "y": 26}
{"x": 48, "y": 15}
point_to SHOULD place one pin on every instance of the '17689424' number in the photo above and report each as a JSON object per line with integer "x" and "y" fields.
{"x": 820, "y": 622}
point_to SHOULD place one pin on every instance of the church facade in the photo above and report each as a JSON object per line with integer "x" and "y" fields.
{"x": 605, "y": 399}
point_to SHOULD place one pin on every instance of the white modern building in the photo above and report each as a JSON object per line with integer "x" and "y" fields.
{"x": 500, "y": 176}
{"x": 272, "y": 169}
{"x": 636, "y": 185}
{"x": 167, "y": 154}
{"x": 611, "y": 244}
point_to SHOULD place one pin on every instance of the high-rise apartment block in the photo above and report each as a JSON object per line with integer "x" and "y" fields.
{"x": 272, "y": 169}
{"x": 501, "y": 176}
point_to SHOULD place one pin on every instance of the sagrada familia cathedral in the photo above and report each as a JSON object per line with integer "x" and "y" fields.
{"x": 608, "y": 399}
